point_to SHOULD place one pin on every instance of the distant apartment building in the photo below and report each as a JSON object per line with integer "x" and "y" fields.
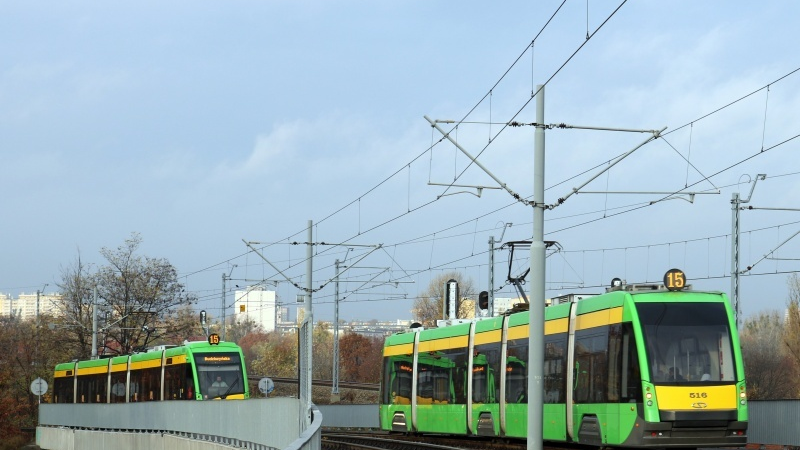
{"x": 259, "y": 304}
{"x": 501, "y": 304}
{"x": 25, "y": 306}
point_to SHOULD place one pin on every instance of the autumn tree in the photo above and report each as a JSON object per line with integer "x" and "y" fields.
{"x": 240, "y": 328}
{"x": 429, "y": 306}
{"x": 249, "y": 344}
{"x": 360, "y": 358}
{"x": 792, "y": 325}
{"x": 768, "y": 366}
{"x": 29, "y": 352}
{"x": 183, "y": 325}
{"x": 322, "y": 351}
{"x": 276, "y": 356}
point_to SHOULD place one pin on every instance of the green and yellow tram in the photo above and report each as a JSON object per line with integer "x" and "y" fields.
{"x": 638, "y": 366}
{"x": 192, "y": 371}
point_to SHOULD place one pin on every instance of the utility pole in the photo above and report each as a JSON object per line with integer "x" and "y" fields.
{"x": 335, "y": 382}
{"x": 536, "y": 312}
{"x": 36, "y": 355}
{"x": 735, "y": 233}
{"x": 94, "y": 323}
{"x": 308, "y": 325}
{"x": 224, "y": 306}
{"x": 490, "y": 291}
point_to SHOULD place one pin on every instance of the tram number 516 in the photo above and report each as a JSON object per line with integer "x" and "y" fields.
{"x": 675, "y": 279}
{"x": 698, "y": 395}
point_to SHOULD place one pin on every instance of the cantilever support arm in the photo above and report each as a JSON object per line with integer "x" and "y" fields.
{"x": 477, "y": 163}
{"x": 656, "y": 135}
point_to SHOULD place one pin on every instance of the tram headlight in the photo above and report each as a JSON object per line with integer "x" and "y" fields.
{"x": 649, "y": 395}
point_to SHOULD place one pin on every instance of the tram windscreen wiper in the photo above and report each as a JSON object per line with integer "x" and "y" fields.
{"x": 229, "y": 389}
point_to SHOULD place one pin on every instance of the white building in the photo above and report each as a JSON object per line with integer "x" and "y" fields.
{"x": 25, "y": 306}
{"x": 503, "y": 304}
{"x": 258, "y": 304}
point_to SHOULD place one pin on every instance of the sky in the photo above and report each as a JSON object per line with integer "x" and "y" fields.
{"x": 201, "y": 126}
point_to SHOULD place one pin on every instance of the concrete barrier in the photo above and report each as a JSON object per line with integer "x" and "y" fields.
{"x": 272, "y": 423}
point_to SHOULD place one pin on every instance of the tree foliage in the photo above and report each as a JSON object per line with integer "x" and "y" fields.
{"x": 249, "y": 343}
{"x": 768, "y": 366}
{"x": 322, "y": 351}
{"x": 29, "y": 352}
{"x": 429, "y": 306}
{"x": 240, "y": 328}
{"x": 275, "y": 356}
{"x": 360, "y": 358}
{"x": 792, "y": 328}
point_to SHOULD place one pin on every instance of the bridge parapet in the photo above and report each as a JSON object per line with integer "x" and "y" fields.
{"x": 259, "y": 424}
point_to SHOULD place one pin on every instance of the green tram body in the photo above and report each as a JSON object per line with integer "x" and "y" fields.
{"x": 612, "y": 350}
{"x": 185, "y": 372}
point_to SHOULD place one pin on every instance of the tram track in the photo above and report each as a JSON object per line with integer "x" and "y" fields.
{"x": 334, "y": 440}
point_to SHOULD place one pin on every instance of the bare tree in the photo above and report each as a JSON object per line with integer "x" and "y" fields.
{"x": 429, "y": 306}
{"x": 140, "y": 293}
{"x": 241, "y": 328}
{"x": 74, "y": 320}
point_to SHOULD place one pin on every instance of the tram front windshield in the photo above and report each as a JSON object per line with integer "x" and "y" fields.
{"x": 219, "y": 374}
{"x": 687, "y": 343}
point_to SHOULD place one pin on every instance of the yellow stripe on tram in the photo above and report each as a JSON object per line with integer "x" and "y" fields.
{"x": 146, "y": 364}
{"x": 598, "y": 318}
{"x": 487, "y": 337}
{"x": 402, "y": 349}
{"x": 444, "y": 344}
{"x": 518, "y": 332}
{"x": 92, "y": 370}
{"x": 556, "y": 326}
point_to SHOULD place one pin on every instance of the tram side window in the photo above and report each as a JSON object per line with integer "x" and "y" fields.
{"x": 176, "y": 385}
{"x": 591, "y": 365}
{"x": 555, "y": 358}
{"x": 135, "y": 394}
{"x": 485, "y": 367}
{"x": 150, "y": 388}
{"x": 396, "y": 386}
{"x": 92, "y": 388}
{"x": 626, "y": 374}
{"x": 63, "y": 390}
{"x": 434, "y": 385}
{"x": 516, "y": 372}
{"x": 118, "y": 387}
{"x": 457, "y": 384}
{"x": 438, "y": 381}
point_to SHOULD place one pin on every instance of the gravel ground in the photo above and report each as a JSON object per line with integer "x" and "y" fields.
{"x": 321, "y": 395}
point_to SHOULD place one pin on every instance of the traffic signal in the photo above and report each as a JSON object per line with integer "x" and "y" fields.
{"x": 483, "y": 300}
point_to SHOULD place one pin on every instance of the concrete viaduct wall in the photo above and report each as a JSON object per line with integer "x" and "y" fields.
{"x": 259, "y": 424}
